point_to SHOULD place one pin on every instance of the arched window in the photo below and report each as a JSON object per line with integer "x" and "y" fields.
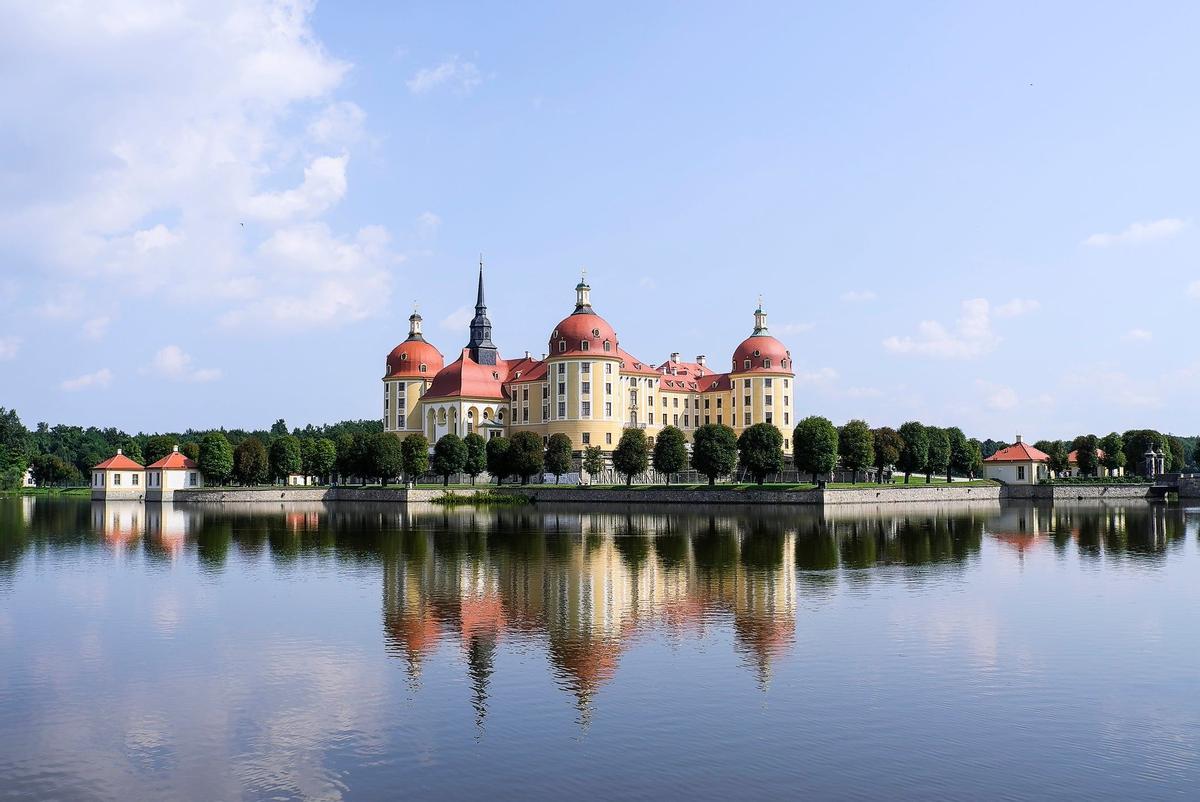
{"x": 746, "y": 364}
{"x": 562, "y": 346}
{"x": 583, "y": 345}
{"x": 767, "y": 362}
{"x": 607, "y": 345}
{"x": 422, "y": 368}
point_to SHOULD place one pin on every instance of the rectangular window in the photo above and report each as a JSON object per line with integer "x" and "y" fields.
{"x": 785, "y": 400}
{"x": 562, "y": 368}
{"x": 583, "y": 345}
{"x": 608, "y": 409}
{"x": 664, "y": 400}
{"x": 608, "y": 388}
{"x": 546, "y": 411}
{"x": 747, "y": 400}
{"x": 562, "y": 388}
{"x": 785, "y": 384}
{"x": 587, "y": 438}
{"x": 524, "y": 414}
{"x": 749, "y": 419}
{"x": 686, "y": 421}
{"x": 675, "y": 420}
{"x": 719, "y": 403}
{"x": 746, "y": 383}
{"x": 562, "y": 409}
{"x": 706, "y": 403}
{"x": 116, "y": 479}
{"x": 192, "y": 478}
{"x": 586, "y": 409}
{"x": 769, "y": 417}
{"x": 650, "y": 418}
{"x": 706, "y": 420}
{"x": 1021, "y": 471}
{"x": 785, "y": 418}
{"x": 607, "y": 367}
{"x": 675, "y": 402}
{"x": 718, "y": 418}
{"x": 766, "y": 382}
{"x": 400, "y": 422}
{"x": 608, "y": 438}
{"x": 649, "y": 400}
{"x": 733, "y": 420}
{"x": 586, "y": 388}
{"x": 585, "y": 367}
{"x": 524, "y": 393}
{"x": 769, "y": 400}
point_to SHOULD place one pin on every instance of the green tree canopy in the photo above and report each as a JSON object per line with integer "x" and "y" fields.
{"x": 449, "y": 456}
{"x": 279, "y": 428}
{"x": 497, "y": 458}
{"x": 961, "y": 453}
{"x": 670, "y": 452}
{"x": 1086, "y": 457}
{"x": 914, "y": 456}
{"x": 285, "y": 457}
{"x": 888, "y": 444}
{"x": 815, "y": 446}
{"x": 526, "y": 457}
{"x": 476, "y": 462}
{"x": 15, "y": 445}
{"x": 760, "y": 451}
{"x": 158, "y": 446}
{"x": 937, "y": 457}
{"x": 250, "y": 463}
{"x": 593, "y": 460}
{"x": 632, "y": 454}
{"x": 1113, "y": 446}
{"x": 856, "y": 447}
{"x": 216, "y": 458}
{"x": 409, "y": 456}
{"x": 714, "y": 451}
{"x": 191, "y": 450}
{"x": 322, "y": 458}
{"x": 1056, "y": 450}
{"x": 558, "y": 455}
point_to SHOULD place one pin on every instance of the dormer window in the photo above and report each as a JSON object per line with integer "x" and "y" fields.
{"x": 562, "y": 346}
{"x": 746, "y": 364}
{"x": 583, "y": 345}
{"x": 607, "y": 345}
{"x": 767, "y": 363}
{"x": 422, "y": 368}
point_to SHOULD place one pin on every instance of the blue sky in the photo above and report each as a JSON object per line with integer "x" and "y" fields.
{"x": 220, "y": 213}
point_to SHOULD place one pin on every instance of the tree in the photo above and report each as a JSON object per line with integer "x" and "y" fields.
{"x": 961, "y": 453}
{"x": 250, "y": 463}
{"x": 449, "y": 456}
{"x": 632, "y": 454}
{"x": 190, "y": 449}
{"x": 593, "y": 460}
{"x": 497, "y": 458}
{"x": 216, "y": 458}
{"x": 1137, "y": 443}
{"x": 976, "y": 459}
{"x": 285, "y": 457}
{"x": 937, "y": 458}
{"x": 714, "y": 451}
{"x": 1059, "y": 462}
{"x": 1085, "y": 454}
{"x": 323, "y": 459}
{"x": 157, "y": 446}
{"x": 760, "y": 451}
{"x": 279, "y": 428}
{"x": 915, "y": 453}
{"x": 476, "y": 462}
{"x": 815, "y": 446}
{"x": 1113, "y": 446}
{"x": 670, "y": 452}
{"x": 1175, "y": 452}
{"x": 409, "y": 456}
{"x": 349, "y": 456}
{"x": 888, "y": 444}
{"x": 49, "y": 470}
{"x": 14, "y": 449}
{"x": 856, "y": 446}
{"x": 526, "y": 457}
{"x": 558, "y": 455}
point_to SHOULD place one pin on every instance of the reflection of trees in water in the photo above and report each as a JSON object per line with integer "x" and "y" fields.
{"x": 1137, "y": 532}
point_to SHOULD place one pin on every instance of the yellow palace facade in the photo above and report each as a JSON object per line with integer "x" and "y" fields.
{"x": 585, "y": 386}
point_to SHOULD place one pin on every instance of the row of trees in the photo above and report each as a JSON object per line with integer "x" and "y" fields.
{"x": 1115, "y": 451}
{"x": 819, "y": 447}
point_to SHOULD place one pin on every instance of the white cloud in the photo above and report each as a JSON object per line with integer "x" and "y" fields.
{"x": 858, "y": 296}
{"x": 323, "y": 186}
{"x": 462, "y": 75}
{"x": 313, "y": 278}
{"x": 997, "y": 396}
{"x": 9, "y": 346}
{"x": 97, "y": 327}
{"x": 101, "y": 378}
{"x": 428, "y": 223}
{"x": 171, "y": 362}
{"x": 143, "y": 188}
{"x": 338, "y": 124}
{"x": 1139, "y": 232}
{"x": 820, "y": 377}
{"x": 787, "y": 329}
{"x": 1138, "y": 336}
{"x": 972, "y": 335}
{"x": 457, "y": 320}
{"x": 1017, "y": 307}
{"x": 862, "y": 392}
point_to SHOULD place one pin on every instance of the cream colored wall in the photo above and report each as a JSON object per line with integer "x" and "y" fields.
{"x": 402, "y": 395}
{"x": 1007, "y": 472}
{"x": 781, "y": 393}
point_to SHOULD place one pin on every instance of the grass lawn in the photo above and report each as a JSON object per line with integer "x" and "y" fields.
{"x": 84, "y": 492}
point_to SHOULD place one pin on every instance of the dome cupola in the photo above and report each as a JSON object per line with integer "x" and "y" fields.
{"x": 760, "y": 352}
{"x": 583, "y": 332}
{"x": 414, "y": 357}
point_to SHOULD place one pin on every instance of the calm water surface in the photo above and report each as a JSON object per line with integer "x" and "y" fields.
{"x": 364, "y": 652}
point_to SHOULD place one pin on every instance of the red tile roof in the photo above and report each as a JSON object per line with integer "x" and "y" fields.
{"x": 631, "y": 364}
{"x": 174, "y": 461}
{"x": 118, "y": 462}
{"x": 1074, "y": 455}
{"x": 466, "y": 378}
{"x": 1020, "y": 452}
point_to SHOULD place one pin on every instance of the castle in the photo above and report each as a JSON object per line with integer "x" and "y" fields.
{"x": 585, "y": 386}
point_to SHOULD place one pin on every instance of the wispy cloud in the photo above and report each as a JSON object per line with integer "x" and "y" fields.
{"x": 858, "y": 296}
{"x": 1139, "y": 232}
{"x": 820, "y": 377}
{"x": 457, "y": 320}
{"x": 171, "y": 362}
{"x": 1017, "y": 307}
{"x": 997, "y": 396}
{"x": 428, "y": 223}
{"x": 1138, "y": 336}
{"x": 9, "y": 346}
{"x": 95, "y": 328}
{"x": 971, "y": 336}
{"x": 100, "y": 379}
{"x": 463, "y": 76}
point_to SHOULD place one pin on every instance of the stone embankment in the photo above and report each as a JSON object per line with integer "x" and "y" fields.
{"x": 585, "y": 495}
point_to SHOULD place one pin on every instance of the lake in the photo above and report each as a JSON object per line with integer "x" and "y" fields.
{"x": 287, "y": 651}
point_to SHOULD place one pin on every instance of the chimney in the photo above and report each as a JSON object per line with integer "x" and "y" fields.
{"x": 1018, "y": 438}
{"x": 674, "y": 356}
{"x": 528, "y": 355}
{"x": 175, "y": 449}
{"x": 119, "y": 452}
{"x": 543, "y": 356}
{"x": 700, "y": 360}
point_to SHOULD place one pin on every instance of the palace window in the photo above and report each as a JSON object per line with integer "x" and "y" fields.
{"x": 706, "y": 420}
{"x": 608, "y": 388}
{"x": 719, "y": 400}
{"x": 769, "y": 399}
{"x": 586, "y": 409}
{"x": 746, "y": 364}
{"x": 116, "y": 479}
{"x": 675, "y": 402}
{"x": 785, "y": 400}
{"x": 607, "y": 368}
{"x": 706, "y": 403}
{"x": 524, "y": 393}
{"x": 769, "y": 418}
{"x": 562, "y": 346}
{"x": 562, "y": 409}
{"x": 400, "y": 422}
{"x": 587, "y": 438}
{"x": 133, "y": 479}
{"x": 649, "y": 400}
{"x": 733, "y": 420}
{"x": 650, "y": 418}
{"x": 585, "y": 367}
{"x": 583, "y": 345}
{"x": 718, "y": 419}
{"x": 786, "y": 417}
{"x": 747, "y": 400}
{"x": 562, "y": 368}
{"x": 749, "y": 419}
{"x": 785, "y": 384}
{"x": 675, "y": 421}
{"x": 767, "y": 362}
{"x": 422, "y": 368}
{"x": 686, "y": 421}
{"x": 767, "y": 381}
{"x": 746, "y": 383}
{"x": 562, "y": 388}
{"x": 664, "y": 400}
{"x": 607, "y": 345}
{"x": 608, "y": 409}
{"x": 608, "y": 438}
{"x": 586, "y": 388}
{"x": 546, "y": 411}
{"x": 524, "y": 414}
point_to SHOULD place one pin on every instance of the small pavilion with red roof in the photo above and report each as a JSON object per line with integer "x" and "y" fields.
{"x": 173, "y": 472}
{"x": 118, "y": 477}
{"x": 1018, "y": 464}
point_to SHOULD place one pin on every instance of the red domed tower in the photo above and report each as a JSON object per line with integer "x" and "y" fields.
{"x": 411, "y": 367}
{"x": 760, "y": 380}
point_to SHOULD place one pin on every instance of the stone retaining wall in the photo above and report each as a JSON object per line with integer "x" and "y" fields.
{"x": 1073, "y": 492}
